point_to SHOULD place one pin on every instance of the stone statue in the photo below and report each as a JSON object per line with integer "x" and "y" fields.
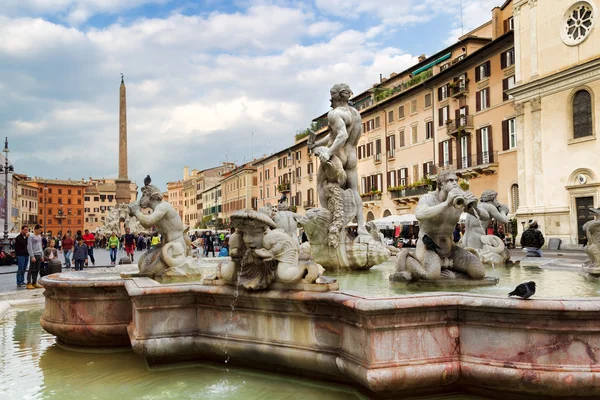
{"x": 592, "y": 248}
{"x": 338, "y": 148}
{"x": 436, "y": 254}
{"x": 337, "y": 185}
{"x": 118, "y": 220}
{"x": 262, "y": 254}
{"x": 172, "y": 256}
{"x": 491, "y": 248}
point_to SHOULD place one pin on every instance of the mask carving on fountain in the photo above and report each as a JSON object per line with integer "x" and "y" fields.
{"x": 261, "y": 253}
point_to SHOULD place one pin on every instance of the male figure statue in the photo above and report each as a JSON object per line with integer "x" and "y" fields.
{"x": 346, "y": 126}
{"x": 438, "y": 213}
{"x": 173, "y": 248}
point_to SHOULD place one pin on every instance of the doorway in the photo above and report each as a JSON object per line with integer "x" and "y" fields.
{"x": 584, "y": 215}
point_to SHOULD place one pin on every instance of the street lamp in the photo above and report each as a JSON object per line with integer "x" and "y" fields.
{"x": 6, "y": 169}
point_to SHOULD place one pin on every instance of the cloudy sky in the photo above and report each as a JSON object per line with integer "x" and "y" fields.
{"x": 201, "y": 76}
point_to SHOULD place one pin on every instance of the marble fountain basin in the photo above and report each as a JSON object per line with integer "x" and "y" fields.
{"x": 389, "y": 342}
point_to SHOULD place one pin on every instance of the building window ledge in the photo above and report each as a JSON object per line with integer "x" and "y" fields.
{"x": 507, "y": 151}
{"x": 582, "y": 139}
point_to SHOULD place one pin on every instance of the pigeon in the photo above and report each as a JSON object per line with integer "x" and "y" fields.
{"x": 147, "y": 180}
{"x": 524, "y": 290}
{"x": 430, "y": 244}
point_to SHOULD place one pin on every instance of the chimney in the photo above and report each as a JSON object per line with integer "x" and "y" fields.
{"x": 186, "y": 172}
{"x": 422, "y": 57}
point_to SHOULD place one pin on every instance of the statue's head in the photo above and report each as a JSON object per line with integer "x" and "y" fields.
{"x": 149, "y": 193}
{"x": 340, "y": 92}
{"x": 447, "y": 181}
{"x": 488, "y": 196}
{"x": 252, "y": 225}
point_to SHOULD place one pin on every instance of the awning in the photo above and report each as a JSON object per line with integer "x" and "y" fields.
{"x": 431, "y": 64}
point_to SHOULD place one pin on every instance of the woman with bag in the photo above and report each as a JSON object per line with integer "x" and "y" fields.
{"x": 50, "y": 259}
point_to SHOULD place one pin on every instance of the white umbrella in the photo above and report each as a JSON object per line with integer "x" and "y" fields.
{"x": 394, "y": 220}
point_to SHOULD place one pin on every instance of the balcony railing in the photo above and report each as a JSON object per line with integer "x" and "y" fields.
{"x": 460, "y": 89}
{"x": 410, "y": 192}
{"x": 371, "y": 196}
{"x": 464, "y": 122}
{"x": 478, "y": 160}
{"x": 284, "y": 187}
{"x": 308, "y": 204}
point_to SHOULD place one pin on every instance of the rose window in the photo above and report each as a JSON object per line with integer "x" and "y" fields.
{"x": 578, "y": 23}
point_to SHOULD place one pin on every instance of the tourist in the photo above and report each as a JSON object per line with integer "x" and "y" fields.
{"x": 129, "y": 240}
{"x": 113, "y": 247}
{"x": 456, "y": 234}
{"x": 36, "y": 257}
{"x": 224, "y": 252}
{"x": 50, "y": 253}
{"x": 67, "y": 246}
{"x": 80, "y": 254}
{"x": 22, "y": 255}
{"x": 532, "y": 240}
{"x": 90, "y": 241}
{"x": 155, "y": 240}
{"x": 210, "y": 245}
{"x": 141, "y": 242}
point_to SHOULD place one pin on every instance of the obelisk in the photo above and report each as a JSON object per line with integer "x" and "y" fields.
{"x": 123, "y": 195}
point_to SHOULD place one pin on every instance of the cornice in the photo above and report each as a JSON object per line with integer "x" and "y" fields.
{"x": 574, "y": 76}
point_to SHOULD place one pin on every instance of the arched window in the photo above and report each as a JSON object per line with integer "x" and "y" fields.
{"x": 582, "y": 114}
{"x": 370, "y": 216}
{"x": 514, "y": 197}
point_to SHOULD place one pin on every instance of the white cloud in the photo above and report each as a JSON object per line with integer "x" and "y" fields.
{"x": 474, "y": 14}
{"x": 197, "y": 85}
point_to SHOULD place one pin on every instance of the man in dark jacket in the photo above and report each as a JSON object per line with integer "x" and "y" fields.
{"x": 532, "y": 240}
{"x": 22, "y": 255}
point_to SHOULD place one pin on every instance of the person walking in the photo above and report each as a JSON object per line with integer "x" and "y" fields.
{"x": 155, "y": 240}
{"x": 80, "y": 254}
{"x": 113, "y": 247}
{"x": 67, "y": 246}
{"x": 36, "y": 257}
{"x": 210, "y": 246}
{"x": 90, "y": 241}
{"x": 22, "y": 255}
{"x": 129, "y": 240}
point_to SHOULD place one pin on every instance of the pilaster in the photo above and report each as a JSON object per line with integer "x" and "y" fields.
{"x": 536, "y": 128}
{"x": 533, "y": 39}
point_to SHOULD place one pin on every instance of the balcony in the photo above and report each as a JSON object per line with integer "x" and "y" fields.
{"x": 461, "y": 124}
{"x": 284, "y": 187}
{"x": 461, "y": 88}
{"x": 473, "y": 165}
{"x": 371, "y": 196}
{"x": 310, "y": 176}
{"x": 409, "y": 195}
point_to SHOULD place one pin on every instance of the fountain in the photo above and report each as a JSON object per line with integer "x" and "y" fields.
{"x": 399, "y": 341}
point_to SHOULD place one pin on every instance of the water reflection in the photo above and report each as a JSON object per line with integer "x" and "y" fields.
{"x": 32, "y": 366}
{"x": 551, "y": 283}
